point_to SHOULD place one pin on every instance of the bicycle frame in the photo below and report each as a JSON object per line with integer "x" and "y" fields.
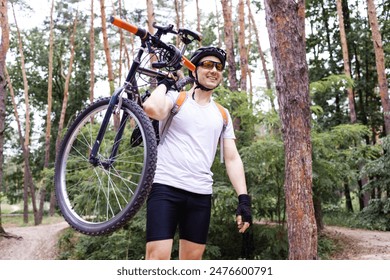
{"x": 130, "y": 87}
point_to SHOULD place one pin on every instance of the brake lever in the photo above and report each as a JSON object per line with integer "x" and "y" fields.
{"x": 164, "y": 29}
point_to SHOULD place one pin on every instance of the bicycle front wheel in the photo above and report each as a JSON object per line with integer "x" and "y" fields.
{"x": 98, "y": 198}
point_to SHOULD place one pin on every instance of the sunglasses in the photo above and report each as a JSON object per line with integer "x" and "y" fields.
{"x": 209, "y": 65}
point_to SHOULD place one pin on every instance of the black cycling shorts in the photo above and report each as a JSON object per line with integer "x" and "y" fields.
{"x": 169, "y": 208}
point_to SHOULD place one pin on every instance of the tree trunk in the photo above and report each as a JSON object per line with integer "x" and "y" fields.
{"x": 107, "y": 47}
{"x": 178, "y": 20}
{"x": 229, "y": 43}
{"x": 151, "y": 19}
{"x": 318, "y": 213}
{"x": 64, "y": 102}
{"x": 198, "y": 18}
{"x": 28, "y": 179}
{"x": 66, "y": 87}
{"x": 262, "y": 58}
{"x": 286, "y": 29}
{"x": 347, "y": 71}
{"x": 218, "y": 25}
{"x": 48, "y": 117}
{"x": 380, "y": 63}
{"x": 151, "y": 16}
{"x": 92, "y": 54}
{"x": 28, "y": 182}
{"x": 182, "y": 13}
{"x": 242, "y": 46}
{"x": 4, "y": 46}
{"x": 348, "y": 199}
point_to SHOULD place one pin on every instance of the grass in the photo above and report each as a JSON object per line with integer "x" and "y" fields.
{"x": 12, "y": 215}
{"x": 17, "y": 221}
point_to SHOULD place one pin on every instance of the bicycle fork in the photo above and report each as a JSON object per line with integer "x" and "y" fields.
{"x": 93, "y": 159}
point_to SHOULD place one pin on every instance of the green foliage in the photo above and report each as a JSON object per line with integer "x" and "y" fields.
{"x": 241, "y": 111}
{"x": 126, "y": 243}
{"x": 376, "y": 215}
{"x": 264, "y": 165}
{"x": 335, "y": 215}
{"x": 336, "y": 157}
{"x": 330, "y": 83}
{"x": 377, "y": 169}
{"x": 326, "y": 247}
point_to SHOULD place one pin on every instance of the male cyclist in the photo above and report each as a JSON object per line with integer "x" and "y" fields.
{"x": 182, "y": 188}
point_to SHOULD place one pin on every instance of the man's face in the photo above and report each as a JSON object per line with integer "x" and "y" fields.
{"x": 208, "y": 74}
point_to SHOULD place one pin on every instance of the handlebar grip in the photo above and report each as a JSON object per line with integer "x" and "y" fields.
{"x": 187, "y": 63}
{"x": 129, "y": 27}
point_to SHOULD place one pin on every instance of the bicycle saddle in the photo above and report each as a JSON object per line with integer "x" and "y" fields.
{"x": 187, "y": 36}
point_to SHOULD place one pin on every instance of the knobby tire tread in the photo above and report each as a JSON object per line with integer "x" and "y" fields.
{"x": 142, "y": 191}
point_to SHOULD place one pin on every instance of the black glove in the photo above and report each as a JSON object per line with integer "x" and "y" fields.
{"x": 244, "y": 208}
{"x": 168, "y": 82}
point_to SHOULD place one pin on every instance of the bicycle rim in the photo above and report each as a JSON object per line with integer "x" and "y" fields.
{"x": 98, "y": 199}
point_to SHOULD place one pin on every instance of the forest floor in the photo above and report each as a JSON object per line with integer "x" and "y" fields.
{"x": 359, "y": 244}
{"x": 39, "y": 242}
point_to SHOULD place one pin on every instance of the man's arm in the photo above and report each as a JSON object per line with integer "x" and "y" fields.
{"x": 235, "y": 171}
{"x": 158, "y": 105}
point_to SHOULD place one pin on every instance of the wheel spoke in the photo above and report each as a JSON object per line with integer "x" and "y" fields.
{"x": 100, "y": 193}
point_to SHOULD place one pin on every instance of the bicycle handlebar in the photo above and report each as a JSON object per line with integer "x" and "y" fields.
{"x": 129, "y": 27}
{"x": 143, "y": 34}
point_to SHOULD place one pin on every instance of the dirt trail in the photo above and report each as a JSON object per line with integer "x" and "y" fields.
{"x": 39, "y": 243}
{"x": 361, "y": 244}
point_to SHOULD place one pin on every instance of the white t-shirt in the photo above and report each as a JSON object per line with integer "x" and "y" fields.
{"x": 185, "y": 157}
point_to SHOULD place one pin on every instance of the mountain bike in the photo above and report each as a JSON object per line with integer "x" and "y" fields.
{"x": 106, "y": 163}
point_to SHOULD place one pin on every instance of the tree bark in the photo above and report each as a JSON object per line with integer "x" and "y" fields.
{"x": 66, "y": 88}
{"x": 380, "y": 63}
{"x": 28, "y": 182}
{"x": 107, "y": 47}
{"x": 64, "y": 103}
{"x": 262, "y": 58}
{"x": 347, "y": 71}
{"x": 198, "y": 17}
{"x": 178, "y": 20}
{"x": 48, "y": 117}
{"x": 92, "y": 54}
{"x": 218, "y": 25}
{"x": 286, "y": 29}
{"x": 151, "y": 19}
{"x": 28, "y": 179}
{"x": 242, "y": 46}
{"x": 4, "y": 46}
{"x": 229, "y": 43}
{"x": 150, "y": 14}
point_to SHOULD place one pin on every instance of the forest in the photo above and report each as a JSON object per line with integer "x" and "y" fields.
{"x": 306, "y": 83}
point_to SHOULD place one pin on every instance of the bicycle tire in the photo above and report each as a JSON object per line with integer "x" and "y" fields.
{"x": 97, "y": 200}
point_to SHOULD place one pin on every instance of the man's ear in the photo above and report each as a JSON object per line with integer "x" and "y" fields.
{"x": 194, "y": 72}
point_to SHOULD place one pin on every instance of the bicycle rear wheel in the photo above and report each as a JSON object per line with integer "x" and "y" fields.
{"x": 99, "y": 198}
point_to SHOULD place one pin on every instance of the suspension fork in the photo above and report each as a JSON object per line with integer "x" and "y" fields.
{"x": 110, "y": 110}
{"x": 102, "y": 130}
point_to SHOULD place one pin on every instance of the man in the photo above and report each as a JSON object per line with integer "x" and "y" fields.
{"x": 182, "y": 188}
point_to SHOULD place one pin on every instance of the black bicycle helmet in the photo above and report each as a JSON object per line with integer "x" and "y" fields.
{"x": 203, "y": 52}
{"x": 207, "y": 51}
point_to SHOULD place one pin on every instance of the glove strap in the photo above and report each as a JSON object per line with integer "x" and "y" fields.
{"x": 244, "y": 199}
